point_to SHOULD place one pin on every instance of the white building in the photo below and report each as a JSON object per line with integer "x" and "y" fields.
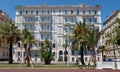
{"x": 54, "y": 23}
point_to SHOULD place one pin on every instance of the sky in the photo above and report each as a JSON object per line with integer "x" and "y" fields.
{"x": 107, "y": 6}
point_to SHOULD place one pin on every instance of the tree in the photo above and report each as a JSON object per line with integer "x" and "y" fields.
{"x": 27, "y": 40}
{"x": 92, "y": 39}
{"x": 78, "y": 39}
{"x": 11, "y": 35}
{"x": 46, "y": 52}
{"x": 103, "y": 50}
{"x": 118, "y": 32}
{"x": 65, "y": 45}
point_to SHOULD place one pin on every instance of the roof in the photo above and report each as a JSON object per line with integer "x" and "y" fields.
{"x": 112, "y": 16}
{"x": 97, "y": 7}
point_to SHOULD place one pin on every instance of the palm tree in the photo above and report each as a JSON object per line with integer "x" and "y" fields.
{"x": 78, "y": 39}
{"x": 46, "y": 52}
{"x": 27, "y": 40}
{"x": 103, "y": 50}
{"x": 11, "y": 35}
{"x": 92, "y": 39}
{"x": 65, "y": 45}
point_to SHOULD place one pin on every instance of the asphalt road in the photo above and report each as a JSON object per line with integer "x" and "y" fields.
{"x": 57, "y": 70}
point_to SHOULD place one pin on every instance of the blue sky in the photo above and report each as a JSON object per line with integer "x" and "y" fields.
{"x": 107, "y": 6}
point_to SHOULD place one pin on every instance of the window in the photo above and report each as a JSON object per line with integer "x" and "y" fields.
{"x": 18, "y": 44}
{"x": 18, "y": 53}
{"x": 3, "y": 53}
{"x": 66, "y": 29}
{"x": 48, "y": 12}
{"x": 6, "y": 53}
{"x": 95, "y": 20}
{"x": 83, "y": 11}
{"x": 53, "y": 45}
{"x": 48, "y": 19}
{"x": 42, "y": 36}
{"x": 95, "y": 12}
{"x": 48, "y": 27}
{"x": 72, "y": 20}
{"x": 20, "y": 12}
{"x": 42, "y": 44}
{"x": 31, "y": 27}
{"x": 84, "y": 20}
{"x": 66, "y": 19}
{"x": 65, "y": 11}
{"x": 60, "y": 52}
{"x": 71, "y": 11}
{"x": 26, "y": 12}
{"x": 37, "y": 12}
{"x": 90, "y": 20}
{"x": 42, "y": 12}
{"x": 43, "y": 27}
{"x": 72, "y": 59}
{"x": 36, "y": 18}
{"x": 59, "y": 11}
{"x": 66, "y": 40}
{"x": 53, "y": 27}
{"x": 31, "y": 12}
{"x": 48, "y": 36}
{"x": 89, "y": 11}
{"x": 42, "y": 19}
{"x": 77, "y": 12}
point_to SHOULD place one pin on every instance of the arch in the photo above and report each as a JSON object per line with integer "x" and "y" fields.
{"x": 60, "y": 52}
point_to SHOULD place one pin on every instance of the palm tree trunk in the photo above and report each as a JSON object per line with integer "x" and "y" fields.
{"x": 65, "y": 58}
{"x": 94, "y": 56}
{"x": 102, "y": 56}
{"x": 82, "y": 55}
{"x": 10, "y": 54}
{"x": 28, "y": 55}
{"x": 25, "y": 46}
{"x": 89, "y": 60}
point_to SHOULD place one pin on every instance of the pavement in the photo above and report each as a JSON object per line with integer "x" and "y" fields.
{"x": 56, "y": 70}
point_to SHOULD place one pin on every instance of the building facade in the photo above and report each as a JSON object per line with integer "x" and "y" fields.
{"x": 109, "y": 33}
{"x": 4, "y": 47}
{"x": 55, "y": 23}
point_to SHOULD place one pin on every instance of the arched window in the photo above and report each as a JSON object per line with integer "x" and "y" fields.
{"x": 60, "y": 52}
